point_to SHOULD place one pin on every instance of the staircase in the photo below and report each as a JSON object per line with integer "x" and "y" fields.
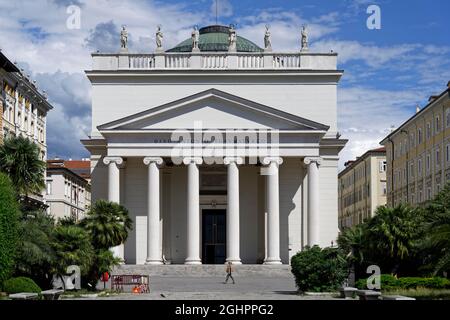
{"x": 205, "y": 270}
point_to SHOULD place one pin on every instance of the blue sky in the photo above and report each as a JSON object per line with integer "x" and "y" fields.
{"x": 387, "y": 72}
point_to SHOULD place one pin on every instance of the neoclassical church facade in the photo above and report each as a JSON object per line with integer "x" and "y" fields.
{"x": 220, "y": 150}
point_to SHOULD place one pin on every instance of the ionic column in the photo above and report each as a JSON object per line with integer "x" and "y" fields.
{"x": 313, "y": 164}
{"x": 113, "y": 164}
{"x": 193, "y": 210}
{"x": 233, "y": 242}
{"x": 273, "y": 209}
{"x": 153, "y": 211}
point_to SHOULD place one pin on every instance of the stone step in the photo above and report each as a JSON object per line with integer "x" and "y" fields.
{"x": 211, "y": 270}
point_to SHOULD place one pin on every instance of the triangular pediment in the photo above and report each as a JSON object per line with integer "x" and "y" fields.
{"x": 212, "y": 109}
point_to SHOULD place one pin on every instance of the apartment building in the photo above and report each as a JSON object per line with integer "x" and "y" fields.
{"x": 23, "y": 108}
{"x": 418, "y": 153}
{"x": 68, "y": 191}
{"x": 362, "y": 187}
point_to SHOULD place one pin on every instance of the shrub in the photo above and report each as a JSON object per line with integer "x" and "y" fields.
{"x": 318, "y": 270}
{"x": 20, "y": 284}
{"x": 9, "y": 215}
{"x": 389, "y": 282}
{"x": 386, "y": 280}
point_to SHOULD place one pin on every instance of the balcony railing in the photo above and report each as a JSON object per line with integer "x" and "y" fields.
{"x": 215, "y": 61}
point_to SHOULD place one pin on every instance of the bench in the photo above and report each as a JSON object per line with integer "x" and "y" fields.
{"x": 397, "y": 298}
{"x": 24, "y": 296}
{"x": 347, "y": 292}
{"x": 52, "y": 294}
{"x": 140, "y": 283}
{"x": 368, "y": 294}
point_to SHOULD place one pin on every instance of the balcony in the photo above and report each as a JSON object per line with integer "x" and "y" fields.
{"x": 215, "y": 61}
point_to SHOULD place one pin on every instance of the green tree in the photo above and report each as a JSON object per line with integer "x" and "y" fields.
{"x": 35, "y": 254}
{"x": 436, "y": 242}
{"x": 319, "y": 270}
{"x": 72, "y": 246}
{"x": 20, "y": 160}
{"x": 9, "y": 215}
{"x": 108, "y": 224}
{"x": 392, "y": 234}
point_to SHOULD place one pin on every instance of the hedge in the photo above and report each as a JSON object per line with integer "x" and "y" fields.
{"x": 20, "y": 284}
{"x": 9, "y": 216}
{"x": 389, "y": 282}
{"x": 319, "y": 270}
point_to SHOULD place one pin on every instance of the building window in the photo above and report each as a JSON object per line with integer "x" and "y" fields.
{"x": 428, "y": 162}
{"x": 428, "y": 193}
{"x": 419, "y": 136}
{"x": 49, "y": 188}
{"x": 419, "y": 167}
{"x": 428, "y": 130}
{"x": 437, "y": 124}
{"x": 447, "y": 118}
{"x": 438, "y": 157}
{"x": 411, "y": 170}
{"x": 383, "y": 166}
{"x": 447, "y": 153}
{"x": 411, "y": 140}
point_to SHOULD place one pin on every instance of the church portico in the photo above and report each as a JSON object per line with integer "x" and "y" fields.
{"x": 219, "y": 155}
{"x": 248, "y": 222}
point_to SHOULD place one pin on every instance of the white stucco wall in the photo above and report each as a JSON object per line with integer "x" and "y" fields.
{"x": 311, "y": 100}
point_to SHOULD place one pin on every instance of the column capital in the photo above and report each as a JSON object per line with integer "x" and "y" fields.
{"x": 117, "y": 160}
{"x": 268, "y": 160}
{"x": 229, "y": 160}
{"x": 196, "y": 160}
{"x": 158, "y": 160}
{"x": 309, "y": 160}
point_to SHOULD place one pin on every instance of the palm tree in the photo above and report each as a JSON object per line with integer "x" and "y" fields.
{"x": 351, "y": 241}
{"x": 35, "y": 255}
{"x": 72, "y": 246}
{"x": 437, "y": 240}
{"x": 108, "y": 224}
{"x": 19, "y": 159}
{"x": 392, "y": 233}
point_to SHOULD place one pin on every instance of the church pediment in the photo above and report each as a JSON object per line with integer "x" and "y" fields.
{"x": 212, "y": 109}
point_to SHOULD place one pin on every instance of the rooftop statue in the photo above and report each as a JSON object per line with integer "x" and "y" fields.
{"x": 267, "y": 42}
{"x": 195, "y": 39}
{"x": 232, "y": 38}
{"x": 304, "y": 39}
{"x": 159, "y": 39}
{"x": 123, "y": 39}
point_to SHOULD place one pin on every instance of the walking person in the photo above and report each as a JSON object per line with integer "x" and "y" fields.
{"x": 229, "y": 270}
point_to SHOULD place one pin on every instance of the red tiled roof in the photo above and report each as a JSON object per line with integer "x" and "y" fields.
{"x": 79, "y": 167}
{"x": 381, "y": 149}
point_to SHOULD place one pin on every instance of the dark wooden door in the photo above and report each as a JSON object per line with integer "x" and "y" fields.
{"x": 213, "y": 236}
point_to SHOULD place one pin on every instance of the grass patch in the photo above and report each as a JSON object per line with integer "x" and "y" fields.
{"x": 421, "y": 293}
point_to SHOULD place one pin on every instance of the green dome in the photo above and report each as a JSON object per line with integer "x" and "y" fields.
{"x": 215, "y": 38}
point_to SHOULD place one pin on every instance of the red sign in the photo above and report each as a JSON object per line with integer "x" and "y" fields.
{"x": 105, "y": 277}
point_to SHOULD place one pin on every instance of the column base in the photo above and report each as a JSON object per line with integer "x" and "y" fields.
{"x": 153, "y": 262}
{"x": 272, "y": 261}
{"x": 192, "y": 261}
{"x": 233, "y": 261}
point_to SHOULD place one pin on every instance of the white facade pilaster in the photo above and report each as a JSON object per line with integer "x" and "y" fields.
{"x": 153, "y": 211}
{"x": 114, "y": 163}
{"x": 313, "y": 164}
{"x": 193, "y": 210}
{"x": 232, "y": 221}
{"x": 272, "y": 209}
